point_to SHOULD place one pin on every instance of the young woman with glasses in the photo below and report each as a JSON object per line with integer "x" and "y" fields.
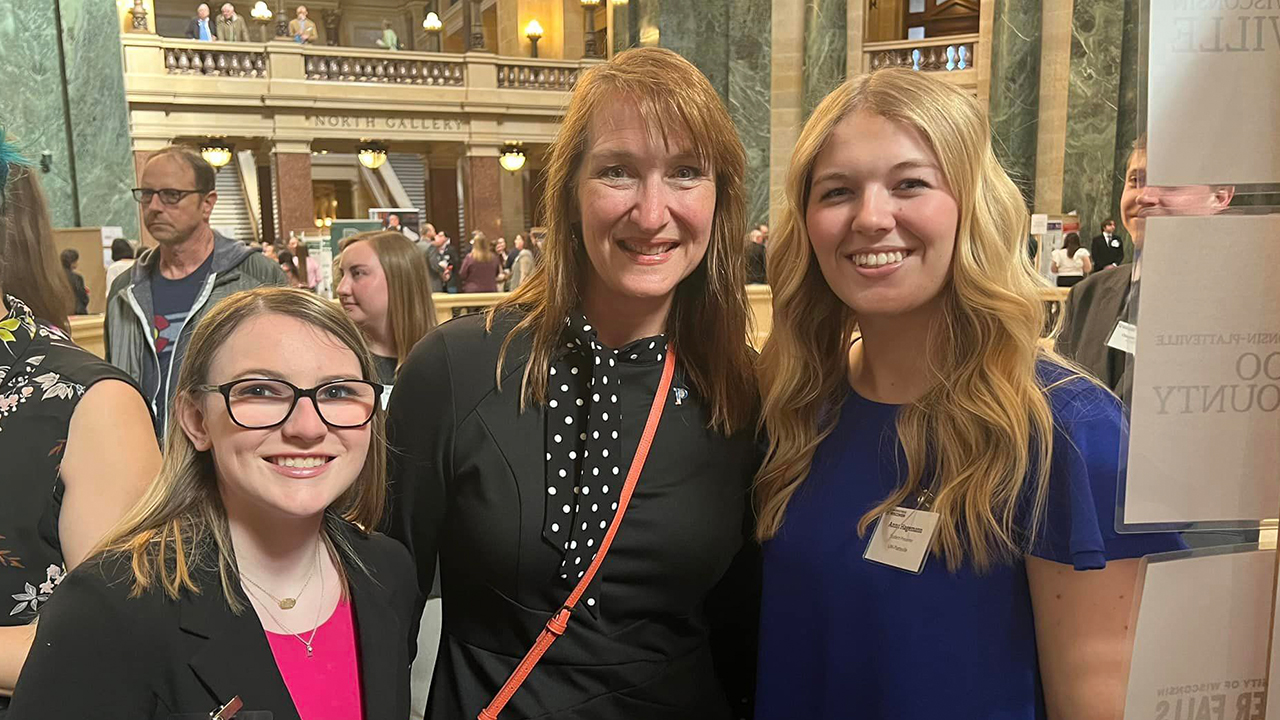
{"x": 248, "y": 573}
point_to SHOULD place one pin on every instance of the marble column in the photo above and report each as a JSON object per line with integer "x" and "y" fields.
{"x": 825, "y": 49}
{"x": 699, "y": 32}
{"x": 482, "y": 191}
{"x": 69, "y": 76}
{"x": 1089, "y": 160}
{"x": 295, "y": 203}
{"x": 786, "y": 94}
{"x": 1131, "y": 80}
{"x": 1014, "y": 89}
{"x": 1055, "y": 85}
{"x": 442, "y": 195}
{"x": 750, "y": 23}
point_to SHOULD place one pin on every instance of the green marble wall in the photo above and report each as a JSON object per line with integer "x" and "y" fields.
{"x": 1093, "y": 111}
{"x": 80, "y": 116}
{"x": 1014, "y": 107}
{"x": 826, "y": 43}
{"x": 1127, "y": 110}
{"x": 729, "y": 41}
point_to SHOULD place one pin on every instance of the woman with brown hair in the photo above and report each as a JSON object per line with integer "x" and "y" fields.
{"x": 248, "y": 570}
{"x": 77, "y": 447}
{"x": 481, "y": 267}
{"x": 32, "y": 269}
{"x": 520, "y": 439}
{"x": 384, "y": 288}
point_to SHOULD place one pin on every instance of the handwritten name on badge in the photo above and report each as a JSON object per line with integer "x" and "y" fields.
{"x": 902, "y": 539}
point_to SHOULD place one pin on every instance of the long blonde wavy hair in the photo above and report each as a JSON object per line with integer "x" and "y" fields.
{"x": 983, "y": 431}
{"x": 180, "y": 527}
{"x": 708, "y": 321}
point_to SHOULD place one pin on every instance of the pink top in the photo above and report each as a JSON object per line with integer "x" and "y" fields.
{"x": 325, "y": 686}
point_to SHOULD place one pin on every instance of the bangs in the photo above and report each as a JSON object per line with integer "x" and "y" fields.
{"x": 664, "y": 111}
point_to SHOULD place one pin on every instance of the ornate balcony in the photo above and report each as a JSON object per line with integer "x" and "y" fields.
{"x": 951, "y": 55}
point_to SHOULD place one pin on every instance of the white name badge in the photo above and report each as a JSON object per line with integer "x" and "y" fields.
{"x": 902, "y": 539}
{"x": 1124, "y": 338}
{"x": 386, "y": 395}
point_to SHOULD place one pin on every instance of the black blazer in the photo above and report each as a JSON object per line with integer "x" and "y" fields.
{"x": 193, "y": 28}
{"x": 1104, "y": 253}
{"x": 1089, "y": 316}
{"x": 100, "y": 654}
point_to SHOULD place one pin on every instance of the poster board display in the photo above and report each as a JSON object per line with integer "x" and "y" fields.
{"x": 1212, "y": 68}
{"x": 1204, "y": 438}
{"x": 1200, "y": 631}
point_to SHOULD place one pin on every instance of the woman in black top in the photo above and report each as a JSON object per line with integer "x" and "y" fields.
{"x": 512, "y": 435}
{"x": 71, "y": 258}
{"x": 76, "y": 445}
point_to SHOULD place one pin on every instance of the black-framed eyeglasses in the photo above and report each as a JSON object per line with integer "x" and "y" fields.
{"x": 261, "y": 403}
{"x": 168, "y": 196}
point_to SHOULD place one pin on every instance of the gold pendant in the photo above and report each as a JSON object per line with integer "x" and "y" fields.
{"x": 288, "y": 603}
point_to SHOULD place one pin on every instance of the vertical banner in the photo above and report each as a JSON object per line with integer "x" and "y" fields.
{"x": 1200, "y": 638}
{"x": 1213, "y": 92}
{"x": 1205, "y": 433}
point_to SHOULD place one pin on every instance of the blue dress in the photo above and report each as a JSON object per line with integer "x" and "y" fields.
{"x": 842, "y": 637}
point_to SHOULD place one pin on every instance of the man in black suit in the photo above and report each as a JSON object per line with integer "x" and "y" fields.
{"x": 1107, "y": 249}
{"x": 755, "y": 258}
{"x": 201, "y": 26}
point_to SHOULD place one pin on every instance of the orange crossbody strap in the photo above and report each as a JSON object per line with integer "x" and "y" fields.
{"x": 560, "y": 621}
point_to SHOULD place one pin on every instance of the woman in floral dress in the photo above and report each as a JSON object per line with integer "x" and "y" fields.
{"x": 76, "y": 444}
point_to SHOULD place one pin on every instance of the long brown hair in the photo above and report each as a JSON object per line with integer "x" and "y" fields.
{"x": 984, "y": 429}
{"x": 709, "y": 315}
{"x": 180, "y": 524}
{"x": 30, "y": 269}
{"x": 481, "y": 247}
{"x": 410, "y": 310}
{"x": 1072, "y": 244}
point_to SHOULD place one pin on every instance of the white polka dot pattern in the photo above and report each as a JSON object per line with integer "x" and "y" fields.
{"x": 575, "y": 468}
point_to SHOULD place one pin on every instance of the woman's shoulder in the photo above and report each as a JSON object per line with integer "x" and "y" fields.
{"x": 380, "y": 552}
{"x": 74, "y": 365}
{"x": 1077, "y": 399}
{"x": 103, "y": 587}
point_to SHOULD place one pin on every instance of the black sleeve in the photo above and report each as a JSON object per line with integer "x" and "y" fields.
{"x": 88, "y": 659}
{"x": 191, "y": 30}
{"x": 1101, "y": 253}
{"x": 733, "y": 608}
{"x": 420, "y": 433}
{"x": 1067, "y": 340}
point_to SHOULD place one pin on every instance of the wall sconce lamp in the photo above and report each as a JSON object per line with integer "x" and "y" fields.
{"x": 533, "y": 31}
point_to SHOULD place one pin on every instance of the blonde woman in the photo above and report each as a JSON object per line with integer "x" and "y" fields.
{"x": 514, "y": 436}
{"x": 247, "y": 570}
{"x": 384, "y": 287}
{"x": 937, "y": 505}
{"x": 481, "y": 267}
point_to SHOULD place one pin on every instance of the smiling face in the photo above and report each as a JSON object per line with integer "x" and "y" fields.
{"x": 646, "y": 207}
{"x": 363, "y": 290}
{"x": 1140, "y": 201}
{"x": 881, "y": 219}
{"x": 295, "y": 470}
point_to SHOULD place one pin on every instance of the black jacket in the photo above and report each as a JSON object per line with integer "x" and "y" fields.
{"x": 1104, "y": 253}
{"x": 1089, "y": 316}
{"x": 100, "y": 654}
{"x": 193, "y": 28}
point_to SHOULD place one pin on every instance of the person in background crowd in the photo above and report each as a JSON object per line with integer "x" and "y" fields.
{"x": 32, "y": 269}
{"x": 756, "y": 258}
{"x": 302, "y": 29}
{"x": 201, "y": 26}
{"x": 1097, "y": 304}
{"x": 232, "y": 27}
{"x": 440, "y": 261}
{"x": 481, "y": 268}
{"x": 946, "y": 416}
{"x": 70, "y": 261}
{"x": 521, "y": 265}
{"x": 1108, "y": 250}
{"x": 281, "y": 595}
{"x": 764, "y": 234}
{"x": 517, "y": 243}
{"x": 385, "y": 290}
{"x": 153, "y": 309}
{"x": 77, "y": 448}
{"x": 504, "y": 262}
{"x": 544, "y": 401}
{"x": 307, "y": 266}
{"x": 289, "y": 266}
{"x": 270, "y": 251}
{"x": 449, "y": 254}
{"x": 1071, "y": 262}
{"x": 121, "y": 259}
{"x": 388, "y": 40}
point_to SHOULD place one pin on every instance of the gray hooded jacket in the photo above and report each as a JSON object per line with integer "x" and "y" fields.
{"x": 129, "y": 337}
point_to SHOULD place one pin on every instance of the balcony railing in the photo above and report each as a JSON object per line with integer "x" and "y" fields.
{"x": 149, "y": 59}
{"x": 946, "y": 54}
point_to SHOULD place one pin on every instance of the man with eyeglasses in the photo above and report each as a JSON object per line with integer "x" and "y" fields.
{"x": 153, "y": 309}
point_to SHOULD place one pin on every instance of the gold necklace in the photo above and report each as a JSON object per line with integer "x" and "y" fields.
{"x": 315, "y": 628}
{"x": 288, "y": 603}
